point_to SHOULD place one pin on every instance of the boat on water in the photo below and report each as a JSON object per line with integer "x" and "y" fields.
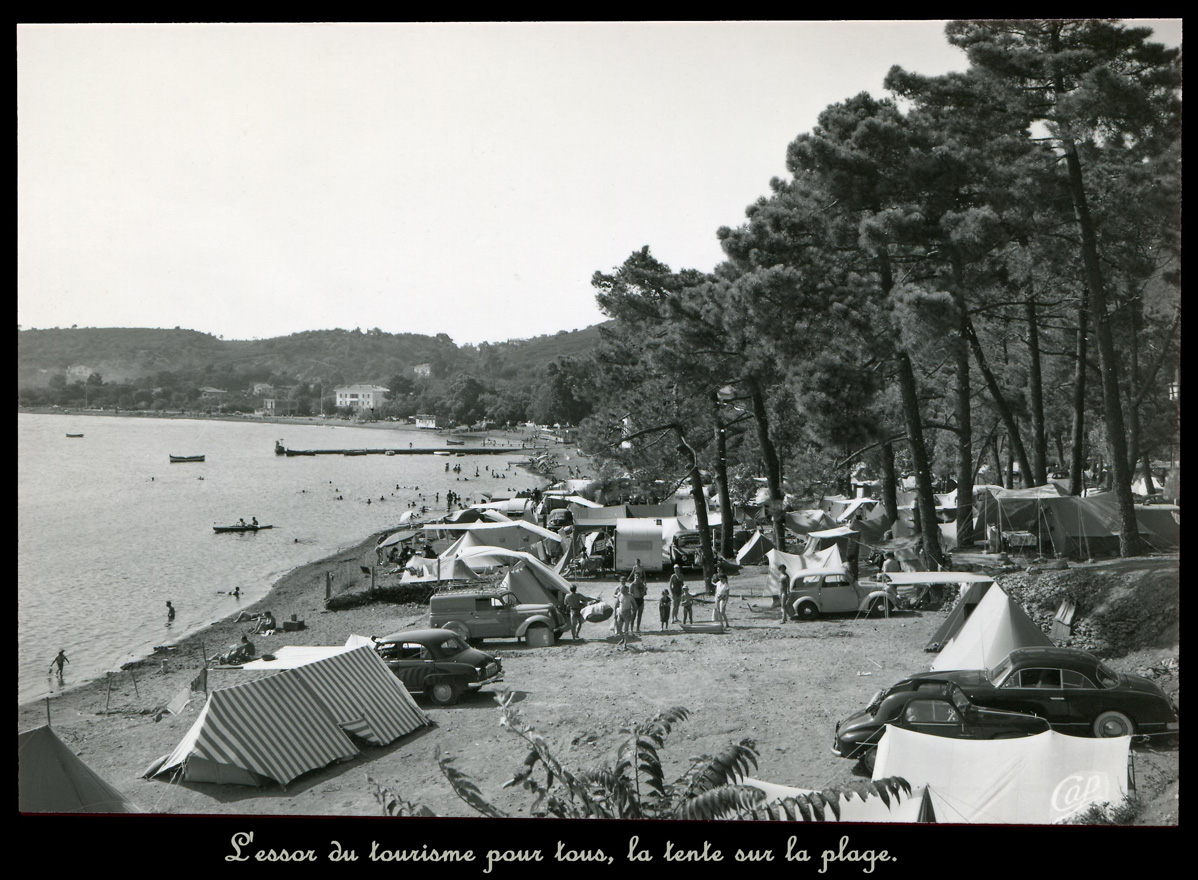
{"x": 440, "y": 452}
{"x": 74, "y": 435}
{"x": 455, "y": 442}
{"x": 239, "y": 528}
{"x": 182, "y": 459}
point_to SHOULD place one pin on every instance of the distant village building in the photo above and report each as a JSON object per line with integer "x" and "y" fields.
{"x": 213, "y": 395}
{"x": 424, "y": 420}
{"x": 78, "y": 373}
{"x": 262, "y": 389}
{"x": 361, "y": 397}
{"x": 423, "y": 370}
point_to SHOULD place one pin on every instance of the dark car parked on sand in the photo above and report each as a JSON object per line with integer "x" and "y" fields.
{"x": 437, "y": 663}
{"x": 1071, "y": 689}
{"x": 937, "y": 707}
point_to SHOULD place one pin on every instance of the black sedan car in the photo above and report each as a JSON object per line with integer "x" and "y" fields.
{"x": 937, "y": 707}
{"x": 437, "y": 663}
{"x": 1072, "y": 690}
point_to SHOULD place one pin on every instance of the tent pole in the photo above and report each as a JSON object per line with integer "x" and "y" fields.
{"x": 134, "y": 677}
{"x": 108, "y": 695}
{"x": 47, "y": 711}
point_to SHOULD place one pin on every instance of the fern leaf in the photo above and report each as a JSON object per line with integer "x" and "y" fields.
{"x": 832, "y": 800}
{"x": 723, "y": 803}
{"x": 465, "y": 788}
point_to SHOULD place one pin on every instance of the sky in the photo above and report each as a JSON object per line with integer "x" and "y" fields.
{"x": 252, "y": 181}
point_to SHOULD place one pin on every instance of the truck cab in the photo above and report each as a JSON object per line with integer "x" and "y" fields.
{"x": 477, "y": 614}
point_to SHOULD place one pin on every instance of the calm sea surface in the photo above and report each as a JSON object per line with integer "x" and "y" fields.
{"x": 109, "y": 530}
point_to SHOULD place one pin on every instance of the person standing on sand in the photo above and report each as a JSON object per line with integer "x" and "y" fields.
{"x": 676, "y": 587}
{"x": 688, "y": 606}
{"x": 722, "y": 592}
{"x": 574, "y": 604}
{"x": 664, "y": 605}
{"x": 638, "y": 591}
{"x": 783, "y": 589}
{"x": 170, "y": 612}
{"x": 59, "y": 661}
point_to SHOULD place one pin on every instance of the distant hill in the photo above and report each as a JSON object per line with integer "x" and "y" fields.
{"x": 134, "y": 355}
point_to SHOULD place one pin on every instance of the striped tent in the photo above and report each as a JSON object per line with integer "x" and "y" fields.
{"x": 270, "y": 729}
{"x": 363, "y": 696}
{"x": 285, "y": 725}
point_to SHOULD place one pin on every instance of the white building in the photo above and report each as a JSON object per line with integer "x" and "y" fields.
{"x": 423, "y": 370}
{"x": 361, "y": 397}
{"x": 424, "y": 420}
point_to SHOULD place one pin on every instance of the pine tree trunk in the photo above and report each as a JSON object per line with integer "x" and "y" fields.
{"x": 889, "y": 482}
{"x": 1014, "y": 441}
{"x": 721, "y": 480}
{"x": 1036, "y": 397}
{"x": 773, "y": 470}
{"x": 1077, "y": 449}
{"x": 960, "y": 348}
{"x": 933, "y": 557}
{"x": 1112, "y": 405}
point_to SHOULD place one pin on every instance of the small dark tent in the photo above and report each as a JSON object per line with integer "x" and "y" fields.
{"x": 52, "y": 779}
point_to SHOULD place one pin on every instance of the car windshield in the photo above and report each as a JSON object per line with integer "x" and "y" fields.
{"x": 999, "y": 672}
{"x": 1107, "y": 677}
{"x": 452, "y": 645}
{"x": 688, "y": 541}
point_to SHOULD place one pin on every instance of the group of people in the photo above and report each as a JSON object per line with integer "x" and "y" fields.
{"x": 675, "y": 605}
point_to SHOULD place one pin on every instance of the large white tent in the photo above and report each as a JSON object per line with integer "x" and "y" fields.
{"x": 996, "y": 627}
{"x": 1032, "y": 780}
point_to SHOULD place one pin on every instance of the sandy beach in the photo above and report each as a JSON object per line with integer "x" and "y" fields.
{"x": 783, "y": 686}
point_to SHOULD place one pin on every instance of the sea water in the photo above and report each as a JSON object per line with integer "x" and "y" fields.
{"x": 108, "y": 530}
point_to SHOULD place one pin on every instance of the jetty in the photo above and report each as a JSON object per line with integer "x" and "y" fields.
{"x": 280, "y": 449}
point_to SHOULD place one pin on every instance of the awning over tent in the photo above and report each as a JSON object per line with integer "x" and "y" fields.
{"x": 52, "y": 779}
{"x": 997, "y": 626}
{"x": 1031, "y": 780}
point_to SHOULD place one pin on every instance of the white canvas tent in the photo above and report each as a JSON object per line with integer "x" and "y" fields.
{"x": 549, "y": 580}
{"x": 794, "y": 562}
{"x": 1032, "y": 780}
{"x": 996, "y": 627}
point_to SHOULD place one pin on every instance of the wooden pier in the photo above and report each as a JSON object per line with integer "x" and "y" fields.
{"x": 421, "y": 450}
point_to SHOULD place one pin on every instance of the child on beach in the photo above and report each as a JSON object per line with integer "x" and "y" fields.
{"x": 688, "y": 606}
{"x": 664, "y": 606}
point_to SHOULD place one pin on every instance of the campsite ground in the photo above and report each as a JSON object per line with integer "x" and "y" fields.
{"x": 784, "y": 686}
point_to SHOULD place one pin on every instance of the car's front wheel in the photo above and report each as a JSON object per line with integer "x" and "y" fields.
{"x": 879, "y": 607}
{"x": 1113, "y": 723}
{"x": 444, "y": 692}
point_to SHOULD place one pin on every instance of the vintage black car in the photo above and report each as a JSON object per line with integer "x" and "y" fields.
{"x": 937, "y": 707}
{"x": 437, "y": 663}
{"x": 1071, "y": 689}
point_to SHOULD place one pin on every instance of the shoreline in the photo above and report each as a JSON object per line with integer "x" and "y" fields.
{"x": 300, "y": 591}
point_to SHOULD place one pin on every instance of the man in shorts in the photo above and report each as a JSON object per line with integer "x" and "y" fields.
{"x": 783, "y": 589}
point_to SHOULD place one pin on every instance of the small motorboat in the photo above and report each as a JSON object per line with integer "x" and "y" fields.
{"x": 455, "y": 442}
{"x": 440, "y": 452}
{"x": 74, "y": 435}
{"x": 239, "y": 528}
{"x": 183, "y": 459}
